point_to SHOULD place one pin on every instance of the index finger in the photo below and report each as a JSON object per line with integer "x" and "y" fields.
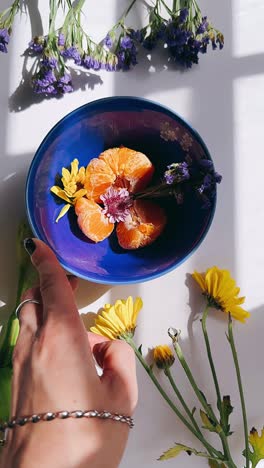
{"x": 56, "y": 292}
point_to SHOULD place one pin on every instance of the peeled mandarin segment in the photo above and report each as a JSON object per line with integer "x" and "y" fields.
{"x": 136, "y": 168}
{"x": 111, "y": 158}
{"x": 92, "y": 222}
{"x": 142, "y": 227}
{"x": 99, "y": 177}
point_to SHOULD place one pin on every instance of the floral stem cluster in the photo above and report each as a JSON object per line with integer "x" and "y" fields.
{"x": 177, "y": 25}
{"x": 221, "y": 292}
{"x": 179, "y": 178}
{"x": 6, "y": 21}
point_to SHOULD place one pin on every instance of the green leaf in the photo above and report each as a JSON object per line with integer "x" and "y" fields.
{"x": 193, "y": 410}
{"x": 179, "y": 448}
{"x": 63, "y": 212}
{"x": 5, "y": 393}
{"x": 27, "y": 277}
{"x": 140, "y": 349}
{"x": 209, "y": 424}
{"x": 227, "y": 410}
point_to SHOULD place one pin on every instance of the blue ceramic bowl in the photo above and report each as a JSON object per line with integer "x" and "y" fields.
{"x": 84, "y": 133}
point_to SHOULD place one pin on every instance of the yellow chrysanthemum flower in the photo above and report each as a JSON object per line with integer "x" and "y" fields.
{"x": 163, "y": 356}
{"x": 73, "y": 183}
{"x": 222, "y": 292}
{"x": 257, "y": 443}
{"x": 118, "y": 320}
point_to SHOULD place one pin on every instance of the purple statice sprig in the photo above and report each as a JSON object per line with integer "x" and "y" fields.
{"x": 185, "y": 34}
{"x": 6, "y": 22}
{"x": 4, "y": 40}
{"x": 179, "y": 178}
{"x": 126, "y": 52}
{"x": 51, "y": 78}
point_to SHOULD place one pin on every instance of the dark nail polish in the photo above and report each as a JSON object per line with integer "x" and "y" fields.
{"x": 29, "y": 245}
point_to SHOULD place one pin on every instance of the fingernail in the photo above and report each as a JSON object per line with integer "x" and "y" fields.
{"x": 29, "y": 246}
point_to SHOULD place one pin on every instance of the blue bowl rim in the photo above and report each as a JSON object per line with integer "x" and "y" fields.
{"x": 34, "y": 164}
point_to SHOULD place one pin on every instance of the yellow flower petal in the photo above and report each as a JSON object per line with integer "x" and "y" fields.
{"x": 103, "y": 332}
{"x": 79, "y": 194}
{"x": 74, "y": 167}
{"x": 118, "y": 320}
{"x": 199, "y": 278}
{"x": 222, "y": 292}
{"x": 63, "y": 212}
{"x": 60, "y": 193}
{"x": 66, "y": 174}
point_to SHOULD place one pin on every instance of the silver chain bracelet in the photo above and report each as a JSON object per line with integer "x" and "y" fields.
{"x": 35, "y": 418}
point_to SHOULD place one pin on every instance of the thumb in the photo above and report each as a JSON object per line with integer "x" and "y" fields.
{"x": 117, "y": 360}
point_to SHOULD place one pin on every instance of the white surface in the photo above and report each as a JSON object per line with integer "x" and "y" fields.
{"x": 223, "y": 99}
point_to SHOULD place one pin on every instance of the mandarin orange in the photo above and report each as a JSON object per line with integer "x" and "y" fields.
{"x": 92, "y": 222}
{"x": 142, "y": 227}
{"x": 117, "y": 167}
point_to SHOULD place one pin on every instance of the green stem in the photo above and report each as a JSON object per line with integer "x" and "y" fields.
{"x": 129, "y": 8}
{"x": 208, "y": 409}
{"x": 211, "y": 362}
{"x": 209, "y": 447}
{"x": 164, "y": 394}
{"x": 52, "y": 16}
{"x": 210, "y": 358}
{"x": 239, "y": 381}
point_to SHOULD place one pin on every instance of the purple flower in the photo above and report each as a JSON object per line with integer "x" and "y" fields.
{"x": 4, "y": 40}
{"x": 183, "y": 15}
{"x": 72, "y": 53}
{"x": 206, "y": 163}
{"x": 160, "y": 31}
{"x": 108, "y": 42}
{"x": 176, "y": 172}
{"x": 110, "y": 66}
{"x": 127, "y": 43}
{"x": 126, "y": 54}
{"x": 150, "y": 42}
{"x": 64, "y": 84}
{"x": 97, "y": 65}
{"x": 116, "y": 204}
{"x": 61, "y": 40}
{"x": 87, "y": 62}
{"x": 50, "y": 62}
{"x": 50, "y": 82}
{"x": 185, "y": 54}
{"x": 136, "y": 35}
{"x": 202, "y": 28}
{"x": 176, "y": 36}
{"x": 37, "y": 45}
{"x": 217, "y": 178}
{"x": 169, "y": 178}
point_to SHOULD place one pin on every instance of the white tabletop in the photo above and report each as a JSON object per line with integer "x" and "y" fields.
{"x": 223, "y": 99}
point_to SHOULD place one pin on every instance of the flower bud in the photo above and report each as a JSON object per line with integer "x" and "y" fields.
{"x": 163, "y": 356}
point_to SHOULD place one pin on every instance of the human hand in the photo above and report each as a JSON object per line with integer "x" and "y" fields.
{"x": 54, "y": 370}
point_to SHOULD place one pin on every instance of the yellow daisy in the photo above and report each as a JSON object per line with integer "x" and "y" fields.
{"x": 257, "y": 443}
{"x": 73, "y": 183}
{"x": 222, "y": 292}
{"x": 118, "y": 320}
{"x": 163, "y": 356}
